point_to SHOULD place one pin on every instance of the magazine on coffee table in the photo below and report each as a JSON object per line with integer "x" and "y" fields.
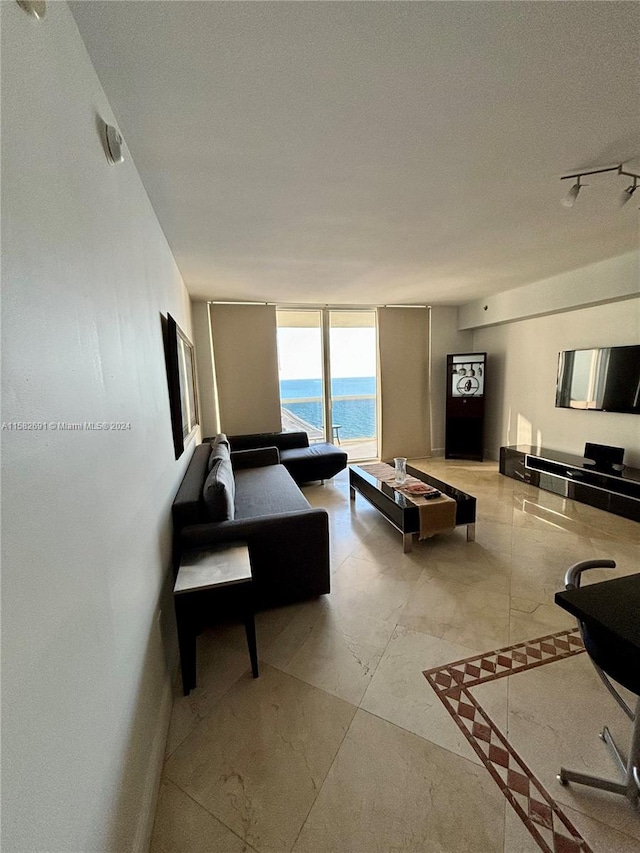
{"x": 419, "y": 489}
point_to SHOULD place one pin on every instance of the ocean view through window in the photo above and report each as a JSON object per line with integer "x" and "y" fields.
{"x": 327, "y": 373}
{"x": 354, "y": 403}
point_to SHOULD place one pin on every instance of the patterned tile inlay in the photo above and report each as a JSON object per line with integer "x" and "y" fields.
{"x": 552, "y": 830}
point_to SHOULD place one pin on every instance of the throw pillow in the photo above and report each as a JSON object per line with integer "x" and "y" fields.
{"x": 219, "y": 491}
{"x": 219, "y": 450}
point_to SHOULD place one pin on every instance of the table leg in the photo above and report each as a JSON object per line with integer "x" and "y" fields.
{"x": 250, "y": 630}
{"x": 186, "y": 642}
{"x": 352, "y": 493}
{"x": 407, "y": 543}
{"x": 471, "y": 532}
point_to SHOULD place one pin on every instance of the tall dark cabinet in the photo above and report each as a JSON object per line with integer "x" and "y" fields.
{"x": 466, "y": 382}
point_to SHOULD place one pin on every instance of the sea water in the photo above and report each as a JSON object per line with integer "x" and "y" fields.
{"x": 356, "y": 415}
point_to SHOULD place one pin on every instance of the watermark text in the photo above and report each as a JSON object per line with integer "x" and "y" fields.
{"x": 65, "y": 426}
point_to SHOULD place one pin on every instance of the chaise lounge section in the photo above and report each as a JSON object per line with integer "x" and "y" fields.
{"x": 306, "y": 463}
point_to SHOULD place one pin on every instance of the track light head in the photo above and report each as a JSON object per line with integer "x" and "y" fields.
{"x": 626, "y": 194}
{"x": 570, "y": 199}
{"x": 37, "y": 8}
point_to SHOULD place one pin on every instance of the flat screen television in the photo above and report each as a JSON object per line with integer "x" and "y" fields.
{"x": 606, "y": 379}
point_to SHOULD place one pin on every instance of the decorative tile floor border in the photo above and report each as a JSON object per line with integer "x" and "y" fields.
{"x": 543, "y": 817}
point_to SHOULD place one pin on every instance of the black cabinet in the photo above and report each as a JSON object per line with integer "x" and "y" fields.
{"x": 574, "y": 477}
{"x": 464, "y": 426}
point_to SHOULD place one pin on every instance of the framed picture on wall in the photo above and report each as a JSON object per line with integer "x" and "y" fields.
{"x": 181, "y": 375}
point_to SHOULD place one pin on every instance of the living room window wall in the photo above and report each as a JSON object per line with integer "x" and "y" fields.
{"x": 327, "y": 366}
{"x": 301, "y": 372}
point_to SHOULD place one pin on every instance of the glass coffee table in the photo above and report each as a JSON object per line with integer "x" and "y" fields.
{"x": 400, "y": 511}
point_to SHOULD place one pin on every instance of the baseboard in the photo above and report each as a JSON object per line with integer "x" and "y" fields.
{"x": 437, "y": 451}
{"x": 154, "y": 772}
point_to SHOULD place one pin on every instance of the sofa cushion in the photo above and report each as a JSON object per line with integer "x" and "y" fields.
{"x": 219, "y": 491}
{"x": 256, "y": 458}
{"x": 281, "y": 440}
{"x": 267, "y": 491}
{"x": 220, "y": 438}
{"x": 219, "y": 450}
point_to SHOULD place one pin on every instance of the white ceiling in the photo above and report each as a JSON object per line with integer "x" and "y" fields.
{"x": 359, "y": 152}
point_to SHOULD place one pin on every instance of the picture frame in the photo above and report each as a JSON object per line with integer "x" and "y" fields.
{"x": 181, "y": 377}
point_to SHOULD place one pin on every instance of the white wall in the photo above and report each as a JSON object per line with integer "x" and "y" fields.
{"x": 523, "y": 362}
{"x": 594, "y": 284}
{"x": 445, "y": 338}
{"x": 86, "y": 274}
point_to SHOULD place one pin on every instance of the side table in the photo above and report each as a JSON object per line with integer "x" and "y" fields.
{"x": 203, "y": 572}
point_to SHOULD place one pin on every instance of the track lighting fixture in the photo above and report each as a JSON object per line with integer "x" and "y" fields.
{"x": 570, "y": 199}
{"x": 626, "y": 194}
{"x": 37, "y": 8}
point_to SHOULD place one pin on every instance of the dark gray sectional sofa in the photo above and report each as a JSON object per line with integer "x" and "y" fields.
{"x": 248, "y": 496}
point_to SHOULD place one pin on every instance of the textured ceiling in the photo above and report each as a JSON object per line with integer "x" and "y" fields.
{"x": 358, "y": 152}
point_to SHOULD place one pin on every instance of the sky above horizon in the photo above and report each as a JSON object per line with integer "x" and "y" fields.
{"x": 353, "y": 352}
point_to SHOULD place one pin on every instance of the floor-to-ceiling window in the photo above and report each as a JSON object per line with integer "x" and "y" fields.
{"x": 353, "y": 369}
{"x": 301, "y": 371}
{"x": 327, "y": 370}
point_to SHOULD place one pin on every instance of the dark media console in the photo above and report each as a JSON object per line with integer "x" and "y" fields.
{"x": 601, "y": 486}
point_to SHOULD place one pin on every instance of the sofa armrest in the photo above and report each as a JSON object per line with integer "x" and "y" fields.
{"x": 289, "y": 552}
{"x": 297, "y": 524}
{"x": 258, "y": 458}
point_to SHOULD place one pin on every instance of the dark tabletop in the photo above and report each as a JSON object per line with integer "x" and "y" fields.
{"x": 613, "y": 605}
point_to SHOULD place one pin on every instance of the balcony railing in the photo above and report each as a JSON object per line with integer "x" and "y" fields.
{"x": 355, "y": 425}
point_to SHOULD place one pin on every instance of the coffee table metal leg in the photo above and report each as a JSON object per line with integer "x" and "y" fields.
{"x": 407, "y": 542}
{"x": 471, "y": 533}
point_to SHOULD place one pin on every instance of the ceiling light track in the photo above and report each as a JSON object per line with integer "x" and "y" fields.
{"x": 311, "y": 306}
{"x": 570, "y": 199}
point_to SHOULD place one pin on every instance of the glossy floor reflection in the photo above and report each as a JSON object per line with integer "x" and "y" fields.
{"x": 342, "y": 745}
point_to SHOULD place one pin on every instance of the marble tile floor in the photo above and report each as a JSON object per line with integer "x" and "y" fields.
{"x": 343, "y": 745}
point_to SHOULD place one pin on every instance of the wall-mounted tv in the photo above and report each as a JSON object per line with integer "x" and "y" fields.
{"x": 606, "y": 379}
